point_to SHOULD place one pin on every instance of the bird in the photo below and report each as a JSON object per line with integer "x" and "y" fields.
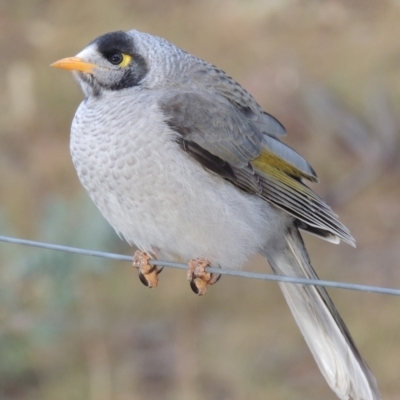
{"x": 185, "y": 165}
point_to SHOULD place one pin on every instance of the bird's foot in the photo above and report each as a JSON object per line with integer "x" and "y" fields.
{"x": 198, "y": 277}
{"x": 148, "y": 274}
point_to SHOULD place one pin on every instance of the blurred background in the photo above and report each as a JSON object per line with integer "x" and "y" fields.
{"x": 72, "y": 327}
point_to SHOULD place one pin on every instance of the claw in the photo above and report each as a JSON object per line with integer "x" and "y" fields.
{"x": 200, "y": 279}
{"x": 148, "y": 274}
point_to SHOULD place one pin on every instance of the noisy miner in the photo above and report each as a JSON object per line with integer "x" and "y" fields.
{"x": 184, "y": 164}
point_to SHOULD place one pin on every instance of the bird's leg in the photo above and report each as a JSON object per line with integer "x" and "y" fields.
{"x": 148, "y": 274}
{"x": 198, "y": 277}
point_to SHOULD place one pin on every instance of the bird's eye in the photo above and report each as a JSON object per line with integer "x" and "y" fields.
{"x": 115, "y": 58}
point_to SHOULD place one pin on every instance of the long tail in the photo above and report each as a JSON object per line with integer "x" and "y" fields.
{"x": 326, "y": 334}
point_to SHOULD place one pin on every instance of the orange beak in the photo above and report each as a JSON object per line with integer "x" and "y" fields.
{"x": 74, "y": 64}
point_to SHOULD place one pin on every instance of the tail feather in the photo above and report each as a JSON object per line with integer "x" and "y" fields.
{"x": 330, "y": 342}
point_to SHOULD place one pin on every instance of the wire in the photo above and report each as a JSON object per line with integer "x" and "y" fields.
{"x": 242, "y": 274}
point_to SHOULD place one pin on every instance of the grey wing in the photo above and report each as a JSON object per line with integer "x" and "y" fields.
{"x": 233, "y": 128}
{"x": 218, "y": 82}
{"x": 228, "y": 139}
{"x": 245, "y": 102}
{"x": 214, "y": 124}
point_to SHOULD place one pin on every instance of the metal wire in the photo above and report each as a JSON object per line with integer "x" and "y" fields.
{"x": 242, "y": 274}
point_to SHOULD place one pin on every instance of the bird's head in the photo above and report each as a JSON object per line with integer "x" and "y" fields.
{"x": 111, "y": 62}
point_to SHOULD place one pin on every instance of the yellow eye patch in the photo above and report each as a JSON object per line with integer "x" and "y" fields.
{"x": 126, "y": 59}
